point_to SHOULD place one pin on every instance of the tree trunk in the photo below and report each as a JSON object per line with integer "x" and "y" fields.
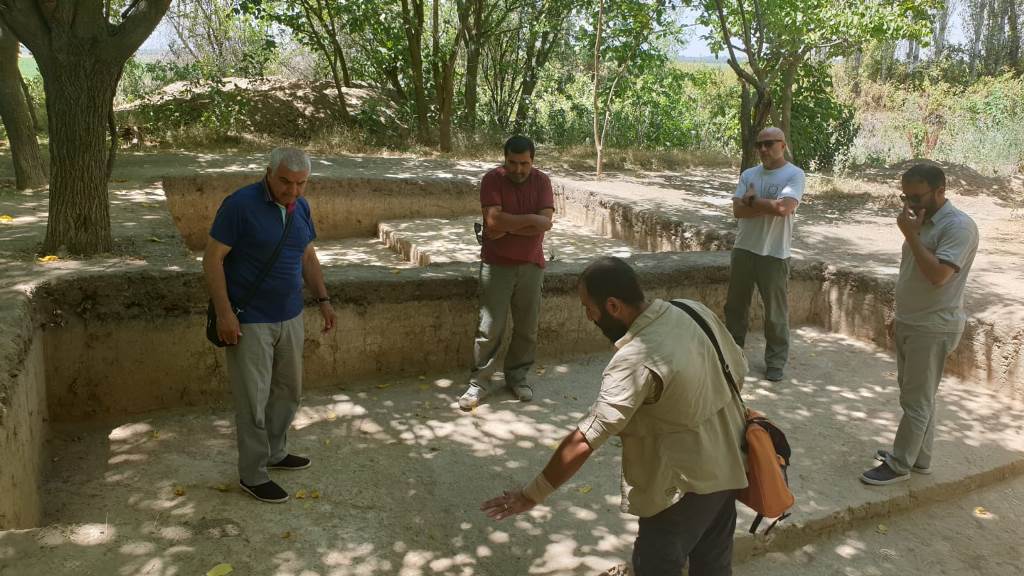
{"x": 1013, "y": 14}
{"x": 413, "y": 24}
{"x": 16, "y": 114}
{"x": 753, "y": 118}
{"x": 939, "y": 31}
{"x": 598, "y": 144}
{"x": 446, "y": 94}
{"x": 474, "y": 40}
{"x": 79, "y": 94}
{"x": 858, "y": 60}
{"x": 788, "y": 79}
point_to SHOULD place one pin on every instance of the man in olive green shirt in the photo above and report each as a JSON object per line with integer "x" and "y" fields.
{"x": 681, "y": 426}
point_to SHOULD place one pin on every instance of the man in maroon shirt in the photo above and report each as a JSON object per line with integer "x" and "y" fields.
{"x": 517, "y": 204}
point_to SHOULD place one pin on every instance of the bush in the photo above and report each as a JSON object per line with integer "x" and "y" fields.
{"x": 977, "y": 125}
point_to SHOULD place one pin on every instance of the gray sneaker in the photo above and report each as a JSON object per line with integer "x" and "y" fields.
{"x": 522, "y": 392}
{"x": 471, "y": 398}
{"x": 773, "y": 374}
{"x": 882, "y": 454}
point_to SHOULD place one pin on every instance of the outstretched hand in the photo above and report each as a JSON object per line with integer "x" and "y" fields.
{"x": 510, "y": 503}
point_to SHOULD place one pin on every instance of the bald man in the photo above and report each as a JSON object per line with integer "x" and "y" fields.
{"x": 766, "y": 199}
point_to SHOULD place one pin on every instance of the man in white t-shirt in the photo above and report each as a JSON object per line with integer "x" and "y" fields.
{"x": 764, "y": 203}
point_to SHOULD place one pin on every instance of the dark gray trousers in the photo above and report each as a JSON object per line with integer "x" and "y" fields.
{"x": 771, "y": 277}
{"x": 698, "y": 528}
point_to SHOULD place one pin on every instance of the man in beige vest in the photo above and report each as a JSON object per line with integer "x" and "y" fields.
{"x": 681, "y": 425}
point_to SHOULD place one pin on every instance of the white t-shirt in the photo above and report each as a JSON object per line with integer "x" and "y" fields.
{"x": 769, "y": 235}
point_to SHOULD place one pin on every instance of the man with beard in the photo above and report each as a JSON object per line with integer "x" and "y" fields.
{"x": 681, "y": 425}
{"x": 938, "y": 251}
{"x": 517, "y": 203}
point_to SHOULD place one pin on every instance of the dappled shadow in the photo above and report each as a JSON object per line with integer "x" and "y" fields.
{"x": 399, "y": 474}
{"x": 428, "y": 241}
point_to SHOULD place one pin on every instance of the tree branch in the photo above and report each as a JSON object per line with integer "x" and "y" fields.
{"x": 25, "y": 20}
{"x": 727, "y": 40}
{"x": 133, "y": 30}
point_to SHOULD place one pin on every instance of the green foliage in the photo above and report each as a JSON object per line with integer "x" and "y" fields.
{"x": 670, "y": 107}
{"x": 978, "y": 125}
{"x": 823, "y": 128}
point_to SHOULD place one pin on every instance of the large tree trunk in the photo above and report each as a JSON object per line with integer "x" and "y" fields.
{"x": 17, "y": 117}
{"x": 79, "y": 95}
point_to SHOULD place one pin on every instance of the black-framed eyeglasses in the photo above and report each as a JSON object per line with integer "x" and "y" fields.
{"x": 766, "y": 143}
{"x": 915, "y": 198}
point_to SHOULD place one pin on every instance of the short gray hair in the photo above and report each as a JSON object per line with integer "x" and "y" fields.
{"x": 293, "y": 159}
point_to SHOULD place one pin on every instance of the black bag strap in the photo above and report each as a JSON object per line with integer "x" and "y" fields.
{"x": 714, "y": 342}
{"x": 267, "y": 266}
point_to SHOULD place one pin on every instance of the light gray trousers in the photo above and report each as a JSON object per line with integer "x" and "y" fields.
{"x": 265, "y": 370}
{"x": 503, "y": 289}
{"x": 771, "y": 277}
{"x": 920, "y": 358}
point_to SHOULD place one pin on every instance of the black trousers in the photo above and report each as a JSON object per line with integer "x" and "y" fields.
{"x": 699, "y": 528}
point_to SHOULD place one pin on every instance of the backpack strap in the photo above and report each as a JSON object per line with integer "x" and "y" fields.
{"x": 714, "y": 342}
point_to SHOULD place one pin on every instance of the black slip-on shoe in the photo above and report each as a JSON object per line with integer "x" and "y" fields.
{"x": 882, "y": 475}
{"x": 290, "y": 462}
{"x": 266, "y": 492}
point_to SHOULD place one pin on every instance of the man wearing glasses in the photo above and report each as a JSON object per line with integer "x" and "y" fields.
{"x": 766, "y": 198}
{"x": 939, "y": 248}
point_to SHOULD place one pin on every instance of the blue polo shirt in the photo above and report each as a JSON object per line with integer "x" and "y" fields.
{"x": 251, "y": 223}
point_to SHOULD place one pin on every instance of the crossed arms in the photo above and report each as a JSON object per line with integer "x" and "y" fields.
{"x": 498, "y": 223}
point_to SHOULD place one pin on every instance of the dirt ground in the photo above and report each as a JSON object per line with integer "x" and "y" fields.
{"x": 399, "y": 474}
{"x": 142, "y": 497}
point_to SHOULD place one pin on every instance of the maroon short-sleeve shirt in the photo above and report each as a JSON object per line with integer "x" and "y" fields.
{"x": 530, "y": 197}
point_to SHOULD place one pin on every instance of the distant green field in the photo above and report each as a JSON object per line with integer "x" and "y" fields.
{"x": 28, "y": 67}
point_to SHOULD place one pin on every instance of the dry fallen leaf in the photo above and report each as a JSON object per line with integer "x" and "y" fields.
{"x": 314, "y": 494}
{"x": 287, "y": 535}
{"x": 221, "y": 488}
{"x": 179, "y": 491}
{"x": 882, "y": 529}
{"x": 327, "y": 441}
{"x": 155, "y": 239}
{"x": 981, "y": 512}
{"x": 6, "y": 218}
{"x": 585, "y": 489}
{"x": 384, "y": 385}
{"x": 300, "y": 495}
{"x": 220, "y": 570}
{"x": 396, "y": 271}
{"x": 331, "y": 416}
{"x": 48, "y": 258}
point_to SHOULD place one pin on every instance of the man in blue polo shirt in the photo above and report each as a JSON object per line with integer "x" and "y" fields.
{"x": 264, "y": 352}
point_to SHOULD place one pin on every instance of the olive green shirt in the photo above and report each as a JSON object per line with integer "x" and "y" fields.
{"x": 664, "y": 394}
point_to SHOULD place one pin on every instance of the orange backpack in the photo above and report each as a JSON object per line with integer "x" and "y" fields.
{"x": 768, "y": 451}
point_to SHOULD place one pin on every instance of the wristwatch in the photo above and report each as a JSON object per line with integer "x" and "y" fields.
{"x": 323, "y": 299}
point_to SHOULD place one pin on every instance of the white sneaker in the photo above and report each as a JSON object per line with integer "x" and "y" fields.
{"x": 471, "y": 398}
